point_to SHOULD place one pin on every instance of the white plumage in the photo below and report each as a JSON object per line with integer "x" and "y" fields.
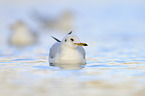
{"x": 67, "y": 51}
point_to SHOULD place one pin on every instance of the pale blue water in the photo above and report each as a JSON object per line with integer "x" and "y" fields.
{"x": 115, "y": 65}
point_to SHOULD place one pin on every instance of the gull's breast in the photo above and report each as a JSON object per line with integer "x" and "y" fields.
{"x": 69, "y": 57}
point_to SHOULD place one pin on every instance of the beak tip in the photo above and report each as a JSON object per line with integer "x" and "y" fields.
{"x": 85, "y": 44}
{"x": 81, "y": 44}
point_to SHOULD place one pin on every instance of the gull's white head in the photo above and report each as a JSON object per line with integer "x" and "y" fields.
{"x": 72, "y": 41}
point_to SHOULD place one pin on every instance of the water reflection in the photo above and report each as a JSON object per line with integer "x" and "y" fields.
{"x": 69, "y": 66}
{"x": 45, "y": 67}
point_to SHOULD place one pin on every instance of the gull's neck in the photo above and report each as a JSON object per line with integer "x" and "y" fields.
{"x": 66, "y": 50}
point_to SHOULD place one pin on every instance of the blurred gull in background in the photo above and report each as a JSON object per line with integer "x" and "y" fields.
{"x": 22, "y": 36}
{"x": 62, "y": 23}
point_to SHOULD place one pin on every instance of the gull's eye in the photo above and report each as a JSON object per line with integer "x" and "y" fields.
{"x": 72, "y": 39}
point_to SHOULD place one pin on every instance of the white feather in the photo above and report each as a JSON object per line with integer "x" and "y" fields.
{"x": 66, "y": 52}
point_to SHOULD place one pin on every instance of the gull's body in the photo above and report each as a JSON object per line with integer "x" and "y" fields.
{"x": 67, "y": 51}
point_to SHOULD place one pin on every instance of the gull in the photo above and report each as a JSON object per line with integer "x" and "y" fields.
{"x": 68, "y": 51}
{"x": 22, "y": 36}
{"x": 63, "y": 23}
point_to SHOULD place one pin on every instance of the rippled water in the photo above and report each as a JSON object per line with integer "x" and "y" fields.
{"x": 111, "y": 70}
{"x": 115, "y": 65}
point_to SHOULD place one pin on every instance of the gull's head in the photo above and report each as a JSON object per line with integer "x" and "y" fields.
{"x": 72, "y": 41}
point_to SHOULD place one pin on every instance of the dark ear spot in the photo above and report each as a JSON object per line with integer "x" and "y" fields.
{"x": 65, "y": 40}
{"x": 70, "y": 32}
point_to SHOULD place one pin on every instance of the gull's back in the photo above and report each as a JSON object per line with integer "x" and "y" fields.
{"x": 53, "y": 51}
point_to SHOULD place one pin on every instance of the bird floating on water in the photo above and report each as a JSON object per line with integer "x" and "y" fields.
{"x": 22, "y": 36}
{"x": 62, "y": 23}
{"x": 68, "y": 51}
